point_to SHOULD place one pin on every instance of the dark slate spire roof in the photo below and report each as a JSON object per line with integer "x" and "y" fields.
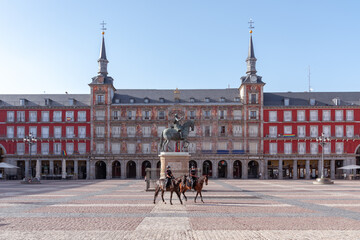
{"x": 251, "y": 48}
{"x": 251, "y": 60}
{"x": 102, "y": 60}
{"x": 102, "y": 50}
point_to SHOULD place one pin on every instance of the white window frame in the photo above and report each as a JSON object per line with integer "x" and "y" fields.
{"x": 273, "y": 148}
{"x": 301, "y": 131}
{"x": 301, "y": 115}
{"x": 45, "y": 116}
{"x": 301, "y": 148}
{"x": 349, "y": 115}
{"x": 10, "y": 116}
{"x": 288, "y": 148}
{"x": 314, "y": 116}
{"x": 326, "y": 115}
{"x": 350, "y": 131}
{"x": 273, "y": 131}
{"x": 45, "y": 132}
{"x": 314, "y": 131}
{"x": 57, "y": 132}
{"x": 339, "y": 131}
{"x": 272, "y": 116}
{"x": 339, "y": 115}
{"x": 287, "y": 116}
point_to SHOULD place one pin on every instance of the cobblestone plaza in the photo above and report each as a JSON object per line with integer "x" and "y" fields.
{"x": 233, "y": 209}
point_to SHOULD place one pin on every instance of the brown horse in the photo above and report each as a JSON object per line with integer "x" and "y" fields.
{"x": 186, "y": 185}
{"x": 174, "y": 187}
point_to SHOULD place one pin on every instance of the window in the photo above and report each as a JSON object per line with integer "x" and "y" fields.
{"x": 301, "y": 148}
{"x": 45, "y": 116}
{"x": 132, "y": 100}
{"x": 287, "y": 129}
{"x": 273, "y": 148}
{"x": 312, "y": 101}
{"x": 100, "y": 99}
{"x": 131, "y": 115}
{"x": 20, "y": 148}
{"x": 301, "y": 131}
{"x": 207, "y": 100}
{"x": 313, "y": 115}
{"x": 131, "y": 131}
{"x": 100, "y": 115}
{"x": 207, "y": 146}
{"x": 115, "y": 115}
{"x": 273, "y": 131}
{"x": 45, "y": 132}
{"x": 146, "y": 148}
{"x": 349, "y": 115}
{"x": 192, "y": 147}
{"x": 57, "y": 148}
{"x": 300, "y": 115}
{"x": 222, "y": 131}
{"x": 222, "y": 114}
{"x": 162, "y": 100}
{"x": 70, "y": 132}
{"x": 115, "y": 131}
{"x": 82, "y": 131}
{"x": 47, "y": 101}
{"x": 339, "y": 147}
{"x": 33, "y": 130}
{"x": 193, "y": 133}
{"x": 22, "y": 102}
{"x": 237, "y": 114}
{"x": 146, "y": 131}
{"x": 20, "y": 132}
{"x": 33, "y": 148}
{"x": 253, "y": 98}
{"x": 146, "y": 100}
{"x": 326, "y": 115}
{"x": 207, "y": 131}
{"x": 207, "y": 114}
{"x": 131, "y": 148}
{"x": 71, "y": 102}
{"x": 160, "y": 130}
{"x": 82, "y": 148}
{"x": 286, "y": 101}
{"x": 9, "y": 132}
{"x": 70, "y": 148}
{"x": 222, "y": 99}
{"x": 146, "y": 115}
{"x": 339, "y": 115}
{"x": 192, "y": 114}
{"x": 253, "y": 148}
{"x": 222, "y": 146}
{"x": 327, "y": 148}
{"x": 20, "y": 116}
{"x": 10, "y": 116}
{"x": 253, "y": 115}
{"x": 314, "y": 131}
{"x": 161, "y": 115}
{"x": 57, "y": 132}
{"x": 314, "y": 148}
{"x": 237, "y": 130}
{"x": 350, "y": 131}
{"x": 336, "y": 101}
{"x": 236, "y": 99}
{"x": 33, "y": 116}
{"x": 100, "y": 147}
{"x": 115, "y": 148}
{"x": 192, "y": 100}
{"x": 339, "y": 131}
{"x": 100, "y": 131}
{"x": 288, "y": 148}
{"x": 253, "y": 131}
{"x": 44, "y": 148}
{"x": 57, "y": 116}
{"x": 69, "y": 116}
{"x": 81, "y": 116}
{"x": 327, "y": 131}
{"x": 272, "y": 116}
{"x": 287, "y": 116}
{"x": 238, "y": 146}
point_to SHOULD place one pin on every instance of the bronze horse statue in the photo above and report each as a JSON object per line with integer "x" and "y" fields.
{"x": 174, "y": 187}
{"x": 186, "y": 185}
{"x": 169, "y": 134}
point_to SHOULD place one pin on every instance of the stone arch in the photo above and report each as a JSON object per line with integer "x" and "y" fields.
{"x": 100, "y": 170}
{"x": 253, "y": 169}
{"x": 222, "y": 169}
{"x": 2, "y": 150}
{"x": 145, "y": 164}
{"x": 193, "y": 163}
{"x": 207, "y": 168}
{"x": 116, "y": 169}
{"x": 237, "y": 169}
{"x": 131, "y": 169}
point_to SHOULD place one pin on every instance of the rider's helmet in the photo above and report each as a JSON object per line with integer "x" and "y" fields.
{"x": 168, "y": 167}
{"x": 193, "y": 168}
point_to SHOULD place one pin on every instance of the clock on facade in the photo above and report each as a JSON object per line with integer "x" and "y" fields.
{"x": 253, "y": 78}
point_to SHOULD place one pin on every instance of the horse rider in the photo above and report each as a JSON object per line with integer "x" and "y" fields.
{"x": 193, "y": 176}
{"x": 169, "y": 177}
{"x": 177, "y": 125}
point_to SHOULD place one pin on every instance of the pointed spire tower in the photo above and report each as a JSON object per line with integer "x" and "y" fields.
{"x": 103, "y": 62}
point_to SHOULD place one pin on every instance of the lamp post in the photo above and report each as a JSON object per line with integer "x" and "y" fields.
{"x": 322, "y": 140}
{"x": 30, "y": 139}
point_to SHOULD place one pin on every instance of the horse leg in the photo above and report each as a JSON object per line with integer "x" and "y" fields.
{"x": 184, "y": 194}
{"x": 201, "y": 197}
{"x": 156, "y": 193}
{"x": 162, "y": 196}
{"x": 171, "y": 193}
{"x": 196, "y": 196}
{"x": 179, "y": 196}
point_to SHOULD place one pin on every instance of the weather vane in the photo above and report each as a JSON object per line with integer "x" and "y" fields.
{"x": 251, "y": 24}
{"x": 103, "y": 27}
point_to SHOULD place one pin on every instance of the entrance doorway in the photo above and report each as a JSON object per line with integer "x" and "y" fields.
{"x": 222, "y": 169}
{"x": 144, "y": 166}
{"x": 116, "y": 169}
{"x": 237, "y": 173}
{"x": 131, "y": 169}
{"x": 100, "y": 170}
{"x": 21, "y": 169}
{"x": 253, "y": 169}
{"x": 207, "y": 168}
{"x": 82, "y": 170}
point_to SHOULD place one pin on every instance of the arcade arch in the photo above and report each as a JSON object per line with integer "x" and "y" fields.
{"x": 222, "y": 169}
{"x": 207, "y": 168}
{"x": 237, "y": 169}
{"x": 253, "y": 169}
{"x": 131, "y": 169}
{"x": 100, "y": 170}
{"x": 116, "y": 169}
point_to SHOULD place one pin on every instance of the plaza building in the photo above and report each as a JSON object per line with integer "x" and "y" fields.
{"x": 239, "y": 132}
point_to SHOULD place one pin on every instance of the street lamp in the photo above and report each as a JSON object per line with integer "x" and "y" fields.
{"x": 322, "y": 140}
{"x": 30, "y": 139}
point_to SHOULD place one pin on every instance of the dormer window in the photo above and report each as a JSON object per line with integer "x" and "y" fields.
{"x": 146, "y": 100}
{"x": 22, "y": 101}
{"x": 236, "y": 99}
{"x": 222, "y": 99}
{"x": 132, "y": 100}
{"x": 71, "y": 102}
{"x": 312, "y": 101}
{"x": 192, "y": 100}
{"x": 162, "y": 100}
{"x": 117, "y": 100}
{"x": 336, "y": 101}
{"x": 286, "y": 101}
{"x": 207, "y": 99}
{"x": 47, "y": 101}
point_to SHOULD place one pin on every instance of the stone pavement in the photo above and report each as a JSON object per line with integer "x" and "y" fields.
{"x": 233, "y": 209}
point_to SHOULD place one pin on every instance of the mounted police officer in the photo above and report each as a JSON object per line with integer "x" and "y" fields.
{"x": 177, "y": 125}
{"x": 193, "y": 176}
{"x": 169, "y": 177}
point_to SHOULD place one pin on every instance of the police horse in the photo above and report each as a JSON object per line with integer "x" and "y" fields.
{"x": 174, "y": 187}
{"x": 186, "y": 185}
{"x": 169, "y": 134}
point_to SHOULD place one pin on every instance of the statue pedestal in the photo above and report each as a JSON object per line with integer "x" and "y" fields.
{"x": 178, "y": 161}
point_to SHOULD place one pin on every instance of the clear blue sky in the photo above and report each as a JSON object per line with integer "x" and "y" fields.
{"x": 53, "y": 46}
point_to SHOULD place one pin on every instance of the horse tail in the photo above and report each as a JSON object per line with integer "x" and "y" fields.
{"x": 161, "y": 141}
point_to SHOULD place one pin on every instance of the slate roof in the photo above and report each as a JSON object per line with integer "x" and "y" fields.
{"x": 38, "y": 100}
{"x": 303, "y": 98}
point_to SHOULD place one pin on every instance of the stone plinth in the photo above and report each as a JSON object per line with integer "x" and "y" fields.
{"x": 323, "y": 181}
{"x": 178, "y": 161}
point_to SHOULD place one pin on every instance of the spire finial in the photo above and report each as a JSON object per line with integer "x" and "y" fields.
{"x": 103, "y": 27}
{"x": 251, "y": 22}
